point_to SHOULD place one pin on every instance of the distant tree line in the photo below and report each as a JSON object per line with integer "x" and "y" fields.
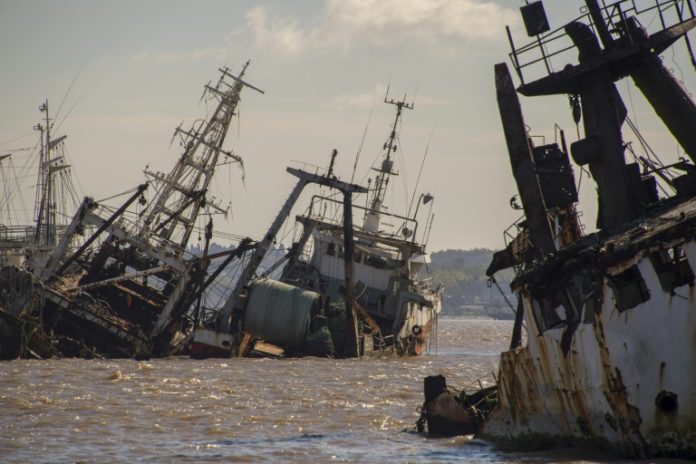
{"x": 463, "y": 273}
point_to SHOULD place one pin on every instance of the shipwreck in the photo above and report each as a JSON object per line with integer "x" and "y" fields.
{"x": 609, "y": 316}
{"x": 25, "y": 246}
{"x": 345, "y": 288}
{"x": 121, "y": 282}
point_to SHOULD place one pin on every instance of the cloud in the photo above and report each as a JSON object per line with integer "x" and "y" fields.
{"x": 367, "y": 100}
{"x": 363, "y": 100}
{"x": 345, "y": 23}
{"x": 279, "y": 33}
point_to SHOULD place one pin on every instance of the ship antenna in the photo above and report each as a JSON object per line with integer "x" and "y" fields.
{"x": 43, "y": 213}
{"x": 334, "y": 153}
{"x": 385, "y": 171}
{"x": 390, "y": 145}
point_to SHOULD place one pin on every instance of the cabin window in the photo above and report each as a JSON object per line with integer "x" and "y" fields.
{"x": 590, "y": 298}
{"x": 331, "y": 249}
{"x": 558, "y": 307}
{"x": 629, "y": 289}
{"x": 545, "y": 315}
{"x": 376, "y": 262}
{"x": 672, "y": 268}
{"x": 396, "y": 263}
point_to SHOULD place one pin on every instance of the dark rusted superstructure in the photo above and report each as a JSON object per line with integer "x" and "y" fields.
{"x": 129, "y": 287}
{"x": 344, "y": 290}
{"x": 609, "y": 316}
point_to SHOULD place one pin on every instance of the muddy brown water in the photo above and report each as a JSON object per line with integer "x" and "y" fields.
{"x": 248, "y": 410}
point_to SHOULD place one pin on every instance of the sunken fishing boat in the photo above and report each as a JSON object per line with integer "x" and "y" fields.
{"x": 26, "y": 243}
{"x": 345, "y": 288}
{"x": 121, "y": 282}
{"x": 610, "y": 316}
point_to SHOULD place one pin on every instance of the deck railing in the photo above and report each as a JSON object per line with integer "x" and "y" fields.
{"x": 551, "y": 51}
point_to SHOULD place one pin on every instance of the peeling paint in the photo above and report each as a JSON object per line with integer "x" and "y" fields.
{"x": 611, "y": 316}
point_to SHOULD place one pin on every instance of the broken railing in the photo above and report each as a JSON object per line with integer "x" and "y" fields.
{"x": 551, "y": 50}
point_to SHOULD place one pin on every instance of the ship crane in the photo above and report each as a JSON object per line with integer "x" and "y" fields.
{"x": 229, "y": 318}
{"x": 138, "y": 274}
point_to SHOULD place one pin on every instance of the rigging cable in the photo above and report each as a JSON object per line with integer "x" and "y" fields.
{"x": 420, "y": 171}
{"x": 367, "y": 173}
{"x": 60, "y": 107}
{"x": 69, "y": 111}
{"x": 402, "y": 166}
{"x": 644, "y": 144}
{"x": 491, "y": 280}
{"x": 129, "y": 191}
{"x": 362, "y": 142}
{"x": 17, "y": 138}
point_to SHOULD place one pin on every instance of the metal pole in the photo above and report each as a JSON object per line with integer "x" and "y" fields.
{"x": 351, "y": 348}
{"x": 600, "y": 25}
{"x": 48, "y": 176}
{"x": 102, "y": 228}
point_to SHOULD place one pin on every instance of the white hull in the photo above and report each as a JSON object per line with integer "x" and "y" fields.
{"x": 626, "y": 382}
{"x": 406, "y": 308}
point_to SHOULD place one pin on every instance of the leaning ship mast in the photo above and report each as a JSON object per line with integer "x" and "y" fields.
{"x": 138, "y": 279}
{"x": 372, "y": 215}
{"x": 182, "y": 193}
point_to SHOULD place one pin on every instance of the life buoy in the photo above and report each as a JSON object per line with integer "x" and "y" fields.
{"x": 417, "y": 330}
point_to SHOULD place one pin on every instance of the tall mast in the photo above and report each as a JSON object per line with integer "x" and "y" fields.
{"x": 46, "y": 204}
{"x": 182, "y": 193}
{"x": 48, "y": 175}
{"x": 43, "y": 204}
{"x": 372, "y": 215}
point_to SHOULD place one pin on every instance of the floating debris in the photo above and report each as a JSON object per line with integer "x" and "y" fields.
{"x": 450, "y": 413}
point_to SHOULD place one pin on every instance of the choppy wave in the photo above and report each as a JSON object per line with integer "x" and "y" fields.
{"x": 243, "y": 410}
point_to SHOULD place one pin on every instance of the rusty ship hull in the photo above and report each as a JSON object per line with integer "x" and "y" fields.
{"x": 610, "y": 317}
{"x": 619, "y": 375}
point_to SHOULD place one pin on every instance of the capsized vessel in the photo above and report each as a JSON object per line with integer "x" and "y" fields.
{"x": 121, "y": 282}
{"x": 397, "y": 300}
{"x": 353, "y": 289}
{"x": 25, "y": 246}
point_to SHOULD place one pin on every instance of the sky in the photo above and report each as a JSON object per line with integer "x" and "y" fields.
{"x": 129, "y": 72}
